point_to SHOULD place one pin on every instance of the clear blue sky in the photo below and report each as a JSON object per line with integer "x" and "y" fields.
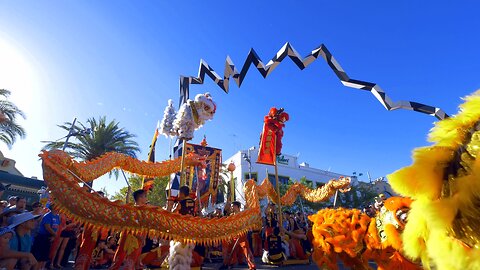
{"x": 66, "y": 59}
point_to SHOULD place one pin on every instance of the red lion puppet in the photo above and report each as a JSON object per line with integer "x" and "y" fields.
{"x": 271, "y": 137}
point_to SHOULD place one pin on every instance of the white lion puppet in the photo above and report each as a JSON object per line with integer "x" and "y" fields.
{"x": 192, "y": 115}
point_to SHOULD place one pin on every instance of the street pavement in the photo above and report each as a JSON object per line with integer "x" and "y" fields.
{"x": 260, "y": 265}
{"x": 258, "y": 262}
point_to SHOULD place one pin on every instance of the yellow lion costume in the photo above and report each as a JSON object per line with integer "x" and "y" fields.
{"x": 443, "y": 228}
{"x": 355, "y": 238}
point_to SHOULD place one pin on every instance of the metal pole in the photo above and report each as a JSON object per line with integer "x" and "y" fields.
{"x": 70, "y": 132}
{"x": 249, "y": 165}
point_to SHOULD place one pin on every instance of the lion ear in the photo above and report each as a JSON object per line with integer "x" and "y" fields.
{"x": 424, "y": 178}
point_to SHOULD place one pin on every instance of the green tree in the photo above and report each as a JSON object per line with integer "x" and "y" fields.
{"x": 223, "y": 183}
{"x": 359, "y": 196}
{"x": 104, "y": 137}
{"x": 300, "y": 203}
{"x": 9, "y": 113}
{"x": 156, "y": 196}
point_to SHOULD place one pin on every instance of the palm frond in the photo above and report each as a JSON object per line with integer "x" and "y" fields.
{"x": 105, "y": 137}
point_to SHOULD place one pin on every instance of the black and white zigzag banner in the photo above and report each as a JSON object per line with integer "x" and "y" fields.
{"x": 288, "y": 50}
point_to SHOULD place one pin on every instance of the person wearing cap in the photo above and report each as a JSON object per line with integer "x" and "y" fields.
{"x": 12, "y": 200}
{"x": 9, "y": 257}
{"x": 6, "y": 214}
{"x": 6, "y": 262}
{"x": 37, "y": 210}
{"x": 23, "y": 224}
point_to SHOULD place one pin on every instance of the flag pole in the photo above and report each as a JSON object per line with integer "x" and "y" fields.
{"x": 152, "y": 148}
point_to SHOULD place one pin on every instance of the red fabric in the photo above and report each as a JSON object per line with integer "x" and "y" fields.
{"x": 104, "y": 234}
{"x": 256, "y": 244}
{"x": 267, "y": 151}
{"x": 87, "y": 246}
{"x": 120, "y": 253}
{"x": 226, "y": 251}
{"x": 153, "y": 259}
{"x": 240, "y": 250}
{"x": 296, "y": 250}
{"x": 268, "y": 232}
{"x": 271, "y": 137}
{"x": 122, "y": 260}
{"x": 197, "y": 260}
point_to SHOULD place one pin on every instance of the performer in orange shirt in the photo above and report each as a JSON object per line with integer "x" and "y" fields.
{"x": 186, "y": 206}
{"x": 129, "y": 246}
{"x": 89, "y": 240}
{"x": 239, "y": 247}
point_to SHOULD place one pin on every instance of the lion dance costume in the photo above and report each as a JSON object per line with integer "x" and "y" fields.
{"x": 439, "y": 224}
{"x": 443, "y": 227}
{"x": 355, "y": 238}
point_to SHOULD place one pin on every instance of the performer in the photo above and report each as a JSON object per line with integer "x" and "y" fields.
{"x": 186, "y": 206}
{"x": 130, "y": 247}
{"x": 154, "y": 252}
{"x": 270, "y": 221}
{"x": 273, "y": 125}
{"x": 237, "y": 246}
{"x": 276, "y": 253}
{"x": 296, "y": 235}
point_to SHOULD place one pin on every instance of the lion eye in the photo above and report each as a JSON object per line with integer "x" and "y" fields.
{"x": 207, "y": 108}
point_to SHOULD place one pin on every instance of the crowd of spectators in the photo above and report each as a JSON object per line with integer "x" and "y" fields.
{"x": 41, "y": 238}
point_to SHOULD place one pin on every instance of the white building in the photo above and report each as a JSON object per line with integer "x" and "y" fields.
{"x": 288, "y": 168}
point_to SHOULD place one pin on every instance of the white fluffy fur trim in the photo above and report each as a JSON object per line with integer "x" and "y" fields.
{"x": 180, "y": 255}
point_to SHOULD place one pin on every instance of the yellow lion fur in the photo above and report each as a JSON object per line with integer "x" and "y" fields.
{"x": 427, "y": 235}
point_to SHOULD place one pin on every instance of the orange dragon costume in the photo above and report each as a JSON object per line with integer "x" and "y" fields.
{"x": 61, "y": 173}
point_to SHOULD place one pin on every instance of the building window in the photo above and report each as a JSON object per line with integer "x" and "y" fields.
{"x": 281, "y": 179}
{"x": 254, "y": 176}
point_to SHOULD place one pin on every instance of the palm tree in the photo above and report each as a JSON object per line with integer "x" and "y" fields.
{"x": 9, "y": 128}
{"x": 104, "y": 137}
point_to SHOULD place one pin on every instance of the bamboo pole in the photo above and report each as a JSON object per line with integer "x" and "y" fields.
{"x": 277, "y": 184}
{"x": 190, "y": 180}
{"x": 232, "y": 187}
{"x": 129, "y": 188}
{"x": 182, "y": 166}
